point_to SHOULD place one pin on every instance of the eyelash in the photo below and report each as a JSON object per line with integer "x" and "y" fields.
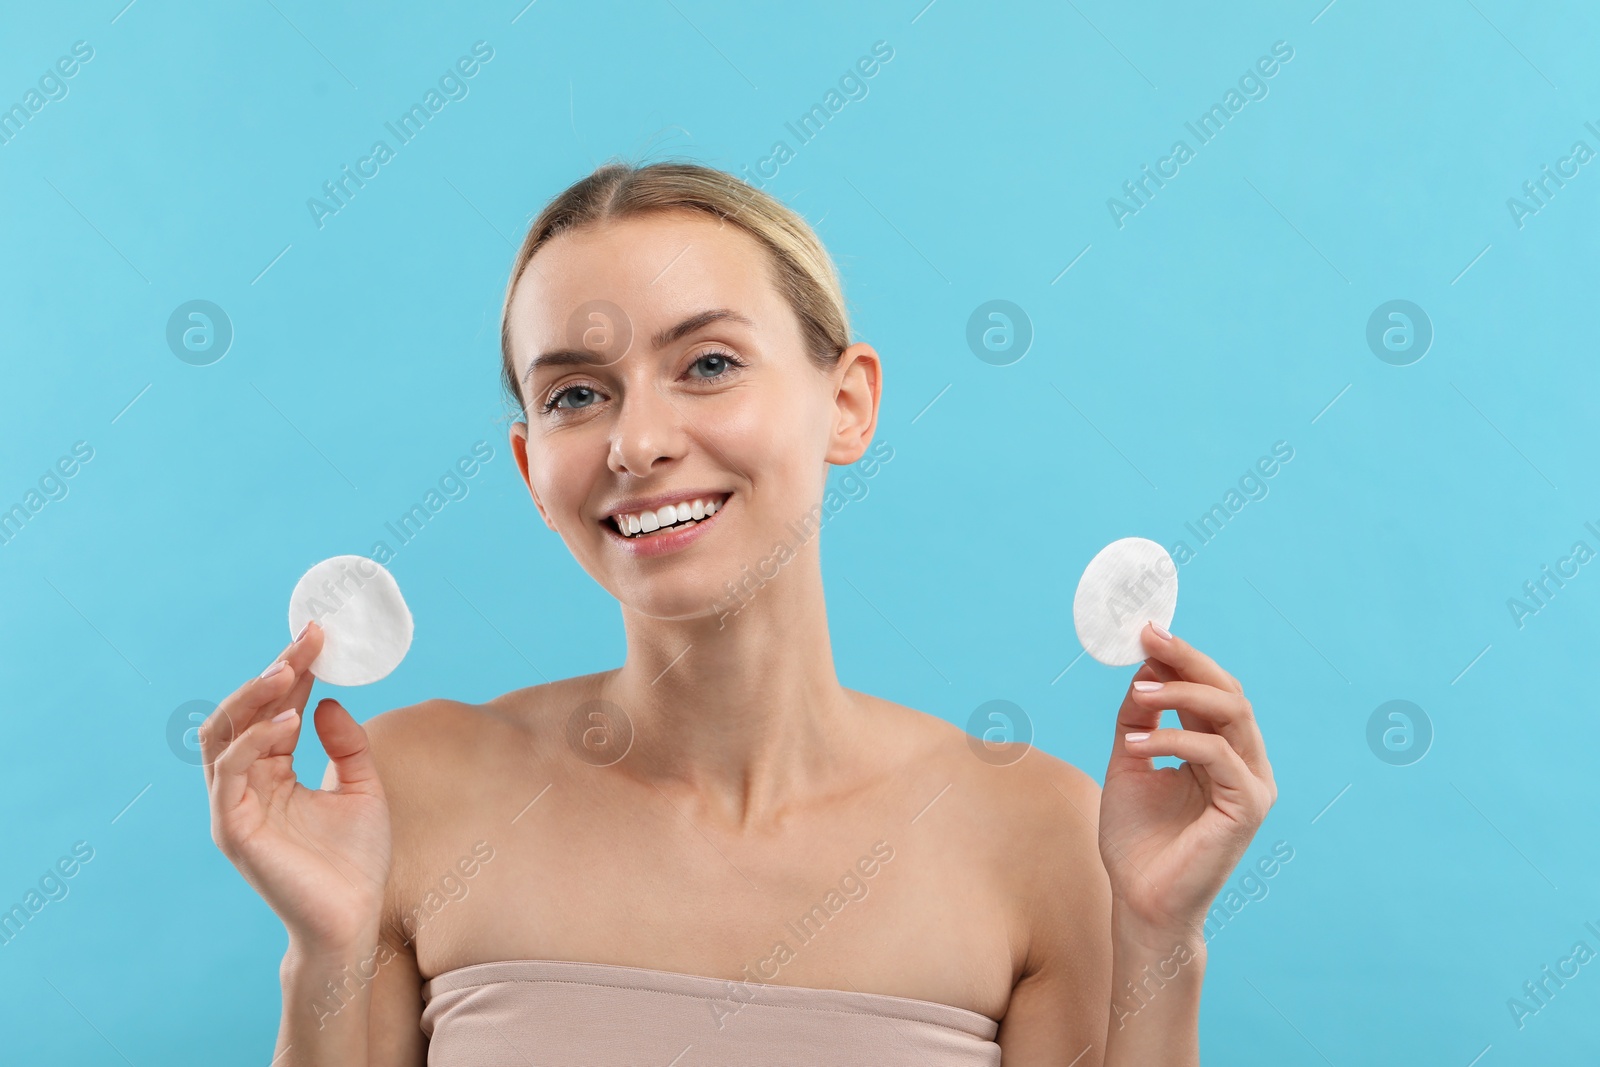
{"x": 554, "y": 398}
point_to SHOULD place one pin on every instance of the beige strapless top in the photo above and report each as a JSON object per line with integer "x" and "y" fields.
{"x": 546, "y": 1013}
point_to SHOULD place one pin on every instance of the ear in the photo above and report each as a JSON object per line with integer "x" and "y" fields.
{"x": 858, "y": 388}
{"x": 519, "y": 449}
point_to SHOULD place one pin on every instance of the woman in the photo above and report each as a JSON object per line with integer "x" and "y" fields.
{"x": 715, "y": 853}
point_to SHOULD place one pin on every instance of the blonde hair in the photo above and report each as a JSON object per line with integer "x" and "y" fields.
{"x": 804, "y": 273}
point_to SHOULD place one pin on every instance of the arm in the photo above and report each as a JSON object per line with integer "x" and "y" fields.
{"x": 1058, "y": 1009}
{"x": 394, "y": 1029}
{"x": 318, "y": 857}
{"x": 326, "y": 1007}
{"x": 1169, "y": 838}
{"x": 359, "y": 1006}
{"x": 362, "y": 1003}
{"x": 1117, "y": 898}
{"x": 1155, "y": 996}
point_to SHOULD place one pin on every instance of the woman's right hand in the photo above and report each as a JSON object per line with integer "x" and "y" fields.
{"x": 319, "y": 857}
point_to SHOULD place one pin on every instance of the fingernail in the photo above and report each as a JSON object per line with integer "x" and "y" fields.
{"x": 1159, "y": 631}
{"x": 284, "y": 715}
{"x": 277, "y": 665}
{"x": 303, "y": 631}
{"x": 1136, "y": 738}
{"x": 1146, "y": 687}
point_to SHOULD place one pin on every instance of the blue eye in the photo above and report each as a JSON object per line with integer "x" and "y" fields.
{"x": 558, "y": 398}
{"x": 718, "y": 362}
{"x": 708, "y": 366}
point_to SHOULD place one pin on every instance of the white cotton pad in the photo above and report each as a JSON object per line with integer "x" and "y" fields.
{"x": 1128, "y": 583}
{"x": 365, "y": 622}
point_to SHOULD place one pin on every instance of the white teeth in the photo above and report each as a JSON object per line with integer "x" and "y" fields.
{"x": 634, "y": 524}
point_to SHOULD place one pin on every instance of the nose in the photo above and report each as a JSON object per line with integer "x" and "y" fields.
{"x": 648, "y": 431}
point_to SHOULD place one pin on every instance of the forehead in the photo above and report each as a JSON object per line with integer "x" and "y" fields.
{"x": 658, "y": 268}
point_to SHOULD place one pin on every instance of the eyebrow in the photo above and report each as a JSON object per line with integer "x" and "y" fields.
{"x": 695, "y": 322}
{"x": 567, "y": 357}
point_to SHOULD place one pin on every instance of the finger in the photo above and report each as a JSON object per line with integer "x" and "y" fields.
{"x": 301, "y": 655}
{"x": 232, "y": 769}
{"x": 286, "y": 683}
{"x": 1190, "y": 663}
{"x": 303, "y": 649}
{"x": 245, "y": 705}
{"x": 349, "y": 755}
{"x": 1256, "y": 745}
{"x": 1137, "y": 714}
{"x": 1234, "y": 790}
{"x": 1155, "y": 669}
{"x": 1160, "y": 672}
{"x": 1207, "y": 709}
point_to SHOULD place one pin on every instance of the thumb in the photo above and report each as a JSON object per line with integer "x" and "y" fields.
{"x": 351, "y": 765}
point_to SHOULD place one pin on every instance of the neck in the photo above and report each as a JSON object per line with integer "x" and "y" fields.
{"x": 735, "y": 715}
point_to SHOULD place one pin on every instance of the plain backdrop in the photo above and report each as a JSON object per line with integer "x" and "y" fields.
{"x": 1171, "y": 348}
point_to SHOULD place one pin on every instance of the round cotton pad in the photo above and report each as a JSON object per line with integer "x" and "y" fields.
{"x": 365, "y": 622}
{"x": 1128, "y": 583}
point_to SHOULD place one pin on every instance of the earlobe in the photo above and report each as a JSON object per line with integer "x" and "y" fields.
{"x": 860, "y": 390}
{"x": 519, "y": 449}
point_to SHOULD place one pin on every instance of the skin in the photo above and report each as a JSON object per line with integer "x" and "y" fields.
{"x": 752, "y": 781}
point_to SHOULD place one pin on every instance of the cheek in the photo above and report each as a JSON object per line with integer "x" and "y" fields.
{"x": 561, "y": 470}
{"x": 776, "y": 440}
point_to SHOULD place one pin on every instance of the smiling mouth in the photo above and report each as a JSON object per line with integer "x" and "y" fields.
{"x": 669, "y": 517}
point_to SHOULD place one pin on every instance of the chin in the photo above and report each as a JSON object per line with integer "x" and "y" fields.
{"x": 687, "y": 601}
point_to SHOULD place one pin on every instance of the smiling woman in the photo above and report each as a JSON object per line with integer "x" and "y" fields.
{"x": 677, "y": 347}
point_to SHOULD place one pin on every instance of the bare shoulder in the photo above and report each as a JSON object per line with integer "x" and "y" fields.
{"x": 433, "y": 742}
{"x": 410, "y": 741}
{"x": 1031, "y": 817}
{"x": 1024, "y": 792}
{"x": 1031, "y": 820}
{"x": 454, "y": 772}
{"x": 452, "y": 769}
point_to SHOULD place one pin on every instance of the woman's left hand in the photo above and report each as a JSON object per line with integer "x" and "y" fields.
{"x": 1170, "y": 836}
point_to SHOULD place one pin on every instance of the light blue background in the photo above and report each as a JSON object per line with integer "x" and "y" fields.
{"x": 1228, "y": 314}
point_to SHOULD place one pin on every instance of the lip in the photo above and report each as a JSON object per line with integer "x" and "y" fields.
{"x": 662, "y": 544}
{"x": 660, "y": 500}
